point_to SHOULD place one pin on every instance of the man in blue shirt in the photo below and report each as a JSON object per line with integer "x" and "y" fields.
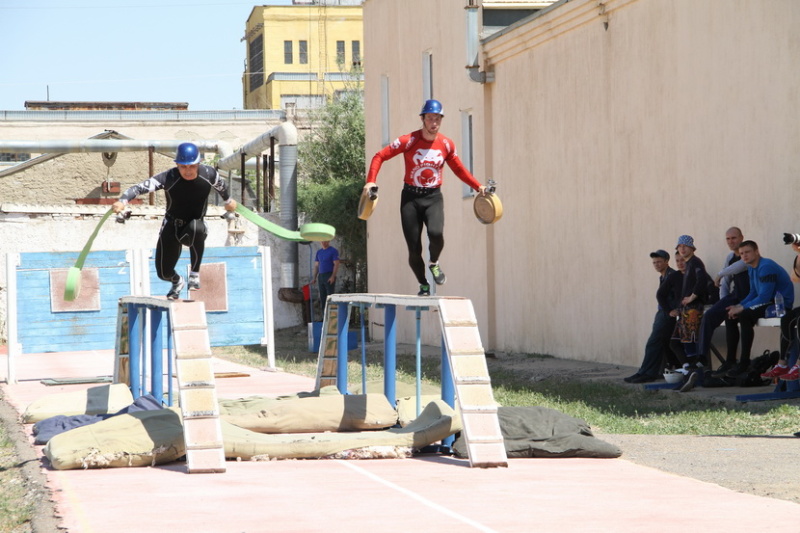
{"x": 766, "y": 279}
{"x": 325, "y": 268}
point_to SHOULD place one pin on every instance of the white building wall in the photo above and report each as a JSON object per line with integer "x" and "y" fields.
{"x": 608, "y": 143}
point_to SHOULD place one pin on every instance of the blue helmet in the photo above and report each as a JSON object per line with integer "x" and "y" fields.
{"x": 187, "y": 154}
{"x": 432, "y": 106}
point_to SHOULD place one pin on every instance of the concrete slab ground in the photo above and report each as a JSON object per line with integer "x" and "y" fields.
{"x": 432, "y": 493}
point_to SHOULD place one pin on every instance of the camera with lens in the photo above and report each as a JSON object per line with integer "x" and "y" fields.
{"x": 791, "y": 238}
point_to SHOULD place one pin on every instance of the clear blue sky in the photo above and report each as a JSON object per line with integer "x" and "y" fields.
{"x": 124, "y": 50}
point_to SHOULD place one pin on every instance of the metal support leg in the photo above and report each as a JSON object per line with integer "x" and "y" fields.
{"x": 448, "y": 388}
{"x": 157, "y": 355}
{"x": 169, "y": 360}
{"x": 418, "y": 314}
{"x": 341, "y": 345}
{"x": 363, "y": 351}
{"x": 390, "y": 353}
{"x": 134, "y": 350}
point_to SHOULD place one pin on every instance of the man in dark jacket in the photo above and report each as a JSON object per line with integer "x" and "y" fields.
{"x": 657, "y": 346}
{"x": 733, "y": 285}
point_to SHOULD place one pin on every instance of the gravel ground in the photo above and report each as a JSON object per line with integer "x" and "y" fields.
{"x": 762, "y": 465}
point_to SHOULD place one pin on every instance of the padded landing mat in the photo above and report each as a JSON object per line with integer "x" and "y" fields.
{"x": 148, "y": 438}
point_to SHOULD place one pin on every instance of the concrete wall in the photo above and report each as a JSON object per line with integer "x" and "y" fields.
{"x": 611, "y": 129}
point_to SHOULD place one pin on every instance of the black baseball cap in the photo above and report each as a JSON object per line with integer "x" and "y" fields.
{"x": 663, "y": 254}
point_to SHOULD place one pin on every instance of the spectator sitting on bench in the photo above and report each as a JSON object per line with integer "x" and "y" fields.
{"x": 766, "y": 278}
{"x": 693, "y": 296}
{"x": 789, "y": 332}
{"x": 734, "y": 285}
{"x": 657, "y": 347}
{"x": 675, "y": 356}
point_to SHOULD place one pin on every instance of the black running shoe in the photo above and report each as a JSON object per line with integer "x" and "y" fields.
{"x": 438, "y": 274}
{"x": 690, "y": 381}
{"x": 424, "y": 290}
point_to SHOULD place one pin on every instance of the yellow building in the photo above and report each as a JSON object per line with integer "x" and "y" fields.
{"x": 299, "y": 55}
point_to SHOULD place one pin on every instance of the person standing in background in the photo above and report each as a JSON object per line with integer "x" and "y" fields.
{"x": 326, "y": 266}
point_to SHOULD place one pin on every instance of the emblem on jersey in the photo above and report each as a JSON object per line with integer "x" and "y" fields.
{"x": 427, "y": 170}
{"x": 428, "y": 157}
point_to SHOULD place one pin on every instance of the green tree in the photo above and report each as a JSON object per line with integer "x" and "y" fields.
{"x": 331, "y": 171}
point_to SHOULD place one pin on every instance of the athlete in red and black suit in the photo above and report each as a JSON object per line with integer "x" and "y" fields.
{"x": 425, "y": 152}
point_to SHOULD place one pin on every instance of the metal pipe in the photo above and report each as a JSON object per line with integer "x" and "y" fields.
{"x": 241, "y": 175}
{"x": 286, "y": 134}
{"x": 258, "y": 184}
{"x": 151, "y": 169}
{"x": 473, "y": 30}
{"x": 108, "y": 145}
{"x": 288, "y": 211}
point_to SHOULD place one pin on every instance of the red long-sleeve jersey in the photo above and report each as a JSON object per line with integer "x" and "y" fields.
{"x": 424, "y": 160}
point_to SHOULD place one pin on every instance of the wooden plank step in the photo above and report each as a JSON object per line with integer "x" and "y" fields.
{"x": 192, "y": 343}
{"x": 463, "y": 340}
{"x": 207, "y": 461}
{"x": 487, "y": 455}
{"x": 458, "y": 313}
{"x": 202, "y": 433}
{"x": 484, "y": 440}
{"x": 188, "y": 315}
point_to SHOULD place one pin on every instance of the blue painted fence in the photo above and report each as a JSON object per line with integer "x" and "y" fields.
{"x": 42, "y": 330}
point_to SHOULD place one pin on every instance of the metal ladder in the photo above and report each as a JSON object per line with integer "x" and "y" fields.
{"x": 202, "y": 431}
{"x": 328, "y": 347}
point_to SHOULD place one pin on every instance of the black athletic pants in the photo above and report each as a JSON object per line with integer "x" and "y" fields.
{"x": 174, "y": 235}
{"x": 416, "y": 210}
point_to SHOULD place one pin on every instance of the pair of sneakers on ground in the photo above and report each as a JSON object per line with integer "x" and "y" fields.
{"x": 177, "y": 285}
{"x": 438, "y": 277}
{"x": 783, "y": 372}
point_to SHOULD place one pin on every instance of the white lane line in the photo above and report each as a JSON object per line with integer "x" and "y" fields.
{"x": 414, "y": 495}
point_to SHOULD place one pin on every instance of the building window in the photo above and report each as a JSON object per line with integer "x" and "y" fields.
{"x": 466, "y": 149}
{"x": 356, "y": 53}
{"x": 427, "y": 75}
{"x": 302, "y": 52}
{"x": 340, "y": 53}
{"x": 256, "y": 63}
{"x": 385, "y": 129}
{"x": 287, "y": 53}
{"x": 13, "y": 157}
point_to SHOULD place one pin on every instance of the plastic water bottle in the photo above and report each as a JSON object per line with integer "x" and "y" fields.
{"x": 780, "y": 310}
